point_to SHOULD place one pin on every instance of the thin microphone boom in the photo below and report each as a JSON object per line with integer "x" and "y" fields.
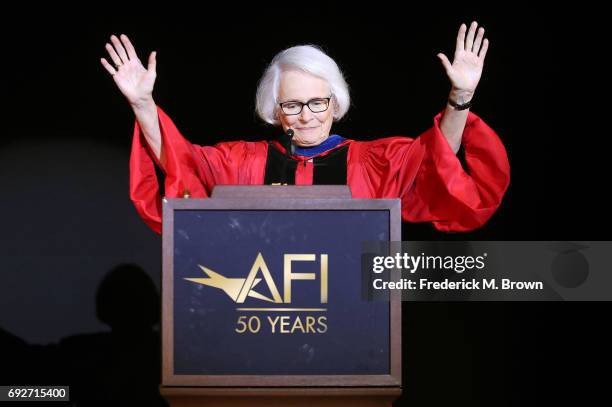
{"x": 288, "y": 151}
{"x": 289, "y": 146}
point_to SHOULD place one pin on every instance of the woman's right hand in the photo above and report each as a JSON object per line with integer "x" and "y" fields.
{"x": 133, "y": 80}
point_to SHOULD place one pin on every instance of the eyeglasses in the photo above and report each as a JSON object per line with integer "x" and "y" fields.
{"x": 316, "y": 105}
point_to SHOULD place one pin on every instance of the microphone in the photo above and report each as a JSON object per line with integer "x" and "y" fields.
{"x": 288, "y": 151}
{"x": 289, "y": 146}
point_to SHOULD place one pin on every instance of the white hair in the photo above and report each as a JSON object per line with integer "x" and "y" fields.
{"x": 307, "y": 58}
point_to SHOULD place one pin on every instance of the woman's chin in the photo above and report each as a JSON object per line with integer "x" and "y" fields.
{"x": 304, "y": 144}
{"x": 308, "y": 142}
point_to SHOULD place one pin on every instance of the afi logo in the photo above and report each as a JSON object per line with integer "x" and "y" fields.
{"x": 240, "y": 288}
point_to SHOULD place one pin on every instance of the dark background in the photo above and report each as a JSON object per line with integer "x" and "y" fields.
{"x": 64, "y": 173}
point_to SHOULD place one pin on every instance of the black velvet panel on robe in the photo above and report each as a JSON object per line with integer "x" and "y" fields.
{"x": 329, "y": 169}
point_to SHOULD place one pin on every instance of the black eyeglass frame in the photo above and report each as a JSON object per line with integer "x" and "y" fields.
{"x": 328, "y": 99}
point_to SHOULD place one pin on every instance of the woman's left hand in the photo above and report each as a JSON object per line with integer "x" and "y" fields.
{"x": 466, "y": 69}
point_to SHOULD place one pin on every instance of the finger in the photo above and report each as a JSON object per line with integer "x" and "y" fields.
{"x": 483, "y": 50}
{"x": 113, "y": 55}
{"x": 445, "y": 62}
{"x": 108, "y": 66}
{"x": 128, "y": 47}
{"x": 461, "y": 38}
{"x": 119, "y": 48}
{"x": 478, "y": 41}
{"x": 151, "y": 67}
{"x": 469, "y": 41}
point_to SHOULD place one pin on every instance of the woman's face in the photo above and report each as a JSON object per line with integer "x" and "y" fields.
{"x": 309, "y": 129}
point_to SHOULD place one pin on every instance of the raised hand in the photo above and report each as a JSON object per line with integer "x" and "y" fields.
{"x": 132, "y": 78}
{"x": 466, "y": 69}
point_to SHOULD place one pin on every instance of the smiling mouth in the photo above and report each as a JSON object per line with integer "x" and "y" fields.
{"x": 307, "y": 128}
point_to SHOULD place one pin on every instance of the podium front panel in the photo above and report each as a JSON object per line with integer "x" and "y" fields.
{"x": 272, "y": 295}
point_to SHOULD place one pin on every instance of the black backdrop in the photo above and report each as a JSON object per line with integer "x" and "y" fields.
{"x": 67, "y": 133}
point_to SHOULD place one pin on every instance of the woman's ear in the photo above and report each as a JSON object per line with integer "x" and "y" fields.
{"x": 335, "y": 108}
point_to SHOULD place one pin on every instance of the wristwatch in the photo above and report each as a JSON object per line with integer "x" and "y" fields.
{"x": 458, "y": 106}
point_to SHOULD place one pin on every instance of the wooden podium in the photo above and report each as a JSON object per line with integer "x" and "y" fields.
{"x": 263, "y": 301}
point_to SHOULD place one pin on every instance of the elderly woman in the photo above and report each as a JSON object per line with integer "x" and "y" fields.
{"x": 303, "y": 91}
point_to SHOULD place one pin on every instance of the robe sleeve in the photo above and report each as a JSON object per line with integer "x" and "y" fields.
{"x": 188, "y": 169}
{"x": 431, "y": 181}
{"x": 444, "y": 193}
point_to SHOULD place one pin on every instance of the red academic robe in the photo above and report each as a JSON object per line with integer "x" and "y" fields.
{"x": 424, "y": 172}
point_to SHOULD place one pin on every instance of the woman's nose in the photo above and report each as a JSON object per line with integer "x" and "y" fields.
{"x": 306, "y": 114}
